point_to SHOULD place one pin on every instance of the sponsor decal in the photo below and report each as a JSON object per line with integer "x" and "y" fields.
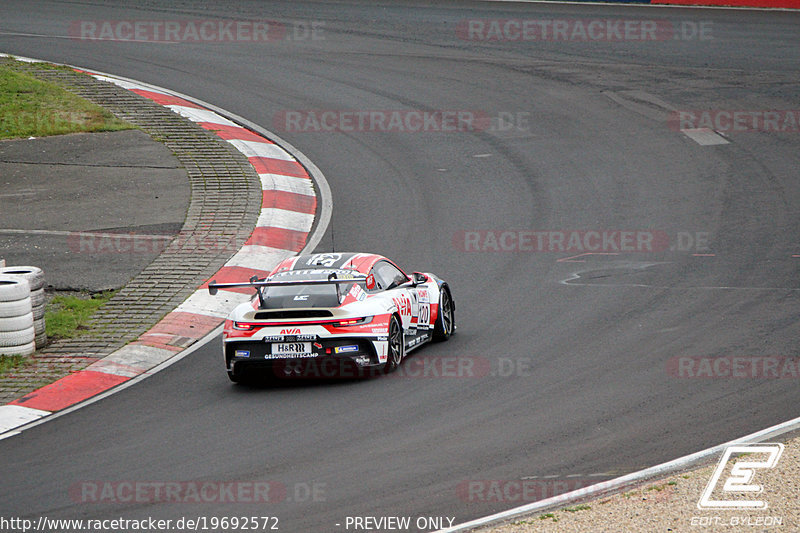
{"x": 403, "y": 304}
{"x": 346, "y": 349}
{"x": 242, "y": 353}
{"x": 326, "y": 260}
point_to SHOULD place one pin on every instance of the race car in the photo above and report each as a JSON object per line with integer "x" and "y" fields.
{"x": 333, "y": 315}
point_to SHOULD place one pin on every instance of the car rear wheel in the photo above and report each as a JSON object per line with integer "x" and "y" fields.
{"x": 446, "y": 321}
{"x": 397, "y": 347}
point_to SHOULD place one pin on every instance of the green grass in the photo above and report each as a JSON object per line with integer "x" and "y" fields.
{"x": 10, "y": 362}
{"x": 577, "y": 508}
{"x": 68, "y": 316}
{"x": 30, "y": 107}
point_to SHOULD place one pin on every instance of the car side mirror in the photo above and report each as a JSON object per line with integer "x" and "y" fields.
{"x": 419, "y": 278}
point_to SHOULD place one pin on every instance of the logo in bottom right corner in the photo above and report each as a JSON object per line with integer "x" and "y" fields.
{"x": 733, "y": 485}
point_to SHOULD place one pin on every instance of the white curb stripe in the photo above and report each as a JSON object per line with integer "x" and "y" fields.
{"x": 279, "y": 182}
{"x": 218, "y": 306}
{"x": 131, "y": 360}
{"x": 124, "y": 84}
{"x": 259, "y": 149}
{"x": 283, "y": 218}
{"x": 258, "y": 257}
{"x": 201, "y": 115}
{"x": 13, "y": 416}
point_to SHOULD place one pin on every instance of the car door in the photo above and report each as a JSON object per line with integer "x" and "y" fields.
{"x": 394, "y": 281}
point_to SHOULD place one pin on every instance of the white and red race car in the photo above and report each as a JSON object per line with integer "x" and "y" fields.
{"x": 333, "y": 315}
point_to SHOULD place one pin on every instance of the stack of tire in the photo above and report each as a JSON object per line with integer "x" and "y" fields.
{"x": 22, "y": 304}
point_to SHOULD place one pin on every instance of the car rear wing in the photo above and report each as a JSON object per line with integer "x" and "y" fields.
{"x": 213, "y": 286}
{"x": 255, "y": 283}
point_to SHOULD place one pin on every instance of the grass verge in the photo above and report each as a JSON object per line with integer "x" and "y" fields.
{"x": 30, "y": 107}
{"x": 67, "y": 316}
{"x": 10, "y": 362}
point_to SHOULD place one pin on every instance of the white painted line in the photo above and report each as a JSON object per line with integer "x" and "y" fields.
{"x": 614, "y": 485}
{"x": 279, "y": 182}
{"x": 283, "y": 218}
{"x": 259, "y": 149}
{"x": 131, "y": 360}
{"x": 14, "y": 416}
{"x": 218, "y": 306}
{"x": 124, "y": 84}
{"x": 201, "y": 115}
{"x": 259, "y": 257}
{"x": 705, "y": 136}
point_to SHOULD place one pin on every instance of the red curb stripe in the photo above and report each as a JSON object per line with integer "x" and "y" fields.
{"x": 182, "y": 324}
{"x": 70, "y": 390}
{"x": 233, "y": 133}
{"x": 268, "y": 165}
{"x": 732, "y": 3}
{"x": 302, "y": 203}
{"x": 284, "y": 239}
{"x": 236, "y": 274}
{"x": 165, "y": 99}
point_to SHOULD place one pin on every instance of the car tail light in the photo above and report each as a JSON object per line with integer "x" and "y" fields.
{"x": 247, "y": 326}
{"x": 353, "y": 322}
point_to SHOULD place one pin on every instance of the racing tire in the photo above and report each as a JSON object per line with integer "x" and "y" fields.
{"x": 14, "y": 288}
{"x": 38, "y": 312}
{"x": 33, "y": 275}
{"x": 20, "y": 337}
{"x": 23, "y": 349}
{"x": 40, "y": 328}
{"x": 446, "y": 321}
{"x": 397, "y": 346}
{"x": 38, "y": 298}
{"x": 16, "y": 323}
{"x": 16, "y": 308}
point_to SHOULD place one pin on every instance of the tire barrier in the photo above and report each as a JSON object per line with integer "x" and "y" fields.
{"x": 17, "y": 336}
{"x": 19, "y": 313}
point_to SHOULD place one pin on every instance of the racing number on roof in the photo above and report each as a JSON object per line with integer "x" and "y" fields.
{"x": 326, "y": 260}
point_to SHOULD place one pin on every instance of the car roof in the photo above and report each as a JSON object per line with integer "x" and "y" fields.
{"x": 348, "y": 261}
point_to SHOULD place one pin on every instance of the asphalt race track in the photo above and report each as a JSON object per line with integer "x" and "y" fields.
{"x": 570, "y": 379}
